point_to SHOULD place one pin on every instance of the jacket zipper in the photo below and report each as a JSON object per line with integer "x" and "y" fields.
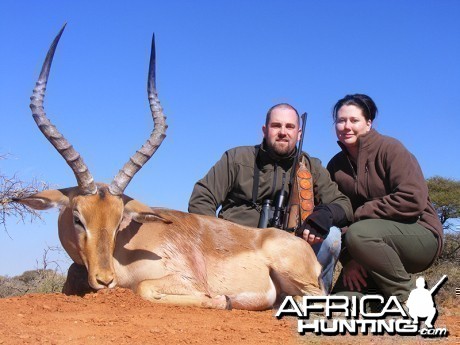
{"x": 355, "y": 176}
{"x": 366, "y": 180}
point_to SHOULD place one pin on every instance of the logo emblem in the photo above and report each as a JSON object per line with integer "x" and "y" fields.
{"x": 318, "y": 314}
{"x": 421, "y": 303}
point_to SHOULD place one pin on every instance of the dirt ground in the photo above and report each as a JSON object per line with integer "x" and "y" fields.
{"x": 120, "y": 317}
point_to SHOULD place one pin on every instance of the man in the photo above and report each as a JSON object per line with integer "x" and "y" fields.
{"x": 247, "y": 175}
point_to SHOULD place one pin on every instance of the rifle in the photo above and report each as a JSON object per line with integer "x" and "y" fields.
{"x": 289, "y": 211}
{"x": 438, "y": 284}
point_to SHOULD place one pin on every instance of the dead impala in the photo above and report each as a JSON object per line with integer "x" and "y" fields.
{"x": 164, "y": 255}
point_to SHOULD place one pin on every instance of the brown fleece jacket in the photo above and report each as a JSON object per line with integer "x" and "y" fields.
{"x": 386, "y": 183}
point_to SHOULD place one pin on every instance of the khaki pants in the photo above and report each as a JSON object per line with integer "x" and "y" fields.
{"x": 390, "y": 252}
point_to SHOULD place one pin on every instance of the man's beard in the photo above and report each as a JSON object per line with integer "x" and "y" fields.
{"x": 281, "y": 151}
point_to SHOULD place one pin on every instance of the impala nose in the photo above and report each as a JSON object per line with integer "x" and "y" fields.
{"x": 105, "y": 280}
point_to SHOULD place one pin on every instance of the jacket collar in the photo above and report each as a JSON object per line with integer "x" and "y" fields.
{"x": 364, "y": 141}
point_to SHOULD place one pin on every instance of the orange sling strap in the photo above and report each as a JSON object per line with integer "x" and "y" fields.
{"x": 302, "y": 202}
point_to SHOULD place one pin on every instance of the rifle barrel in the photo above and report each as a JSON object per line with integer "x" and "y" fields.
{"x": 299, "y": 150}
{"x": 442, "y": 280}
{"x": 304, "y": 121}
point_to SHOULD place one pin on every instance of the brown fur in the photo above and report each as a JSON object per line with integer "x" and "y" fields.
{"x": 180, "y": 258}
{"x": 166, "y": 256}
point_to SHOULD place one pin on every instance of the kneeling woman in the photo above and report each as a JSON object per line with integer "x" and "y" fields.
{"x": 396, "y": 230}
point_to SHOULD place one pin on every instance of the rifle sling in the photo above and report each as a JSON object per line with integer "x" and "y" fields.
{"x": 255, "y": 180}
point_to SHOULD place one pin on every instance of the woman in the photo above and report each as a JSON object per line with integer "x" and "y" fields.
{"x": 396, "y": 230}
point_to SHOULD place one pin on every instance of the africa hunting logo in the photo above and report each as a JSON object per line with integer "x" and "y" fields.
{"x": 334, "y": 315}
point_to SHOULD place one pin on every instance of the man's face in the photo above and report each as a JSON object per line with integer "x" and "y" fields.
{"x": 282, "y": 132}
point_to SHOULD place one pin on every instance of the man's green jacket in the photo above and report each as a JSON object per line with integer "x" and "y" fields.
{"x": 229, "y": 185}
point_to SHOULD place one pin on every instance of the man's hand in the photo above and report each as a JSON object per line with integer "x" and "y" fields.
{"x": 354, "y": 275}
{"x": 310, "y": 238}
{"x": 317, "y": 225}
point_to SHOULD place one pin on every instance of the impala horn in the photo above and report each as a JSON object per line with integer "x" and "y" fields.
{"x": 136, "y": 161}
{"x": 72, "y": 157}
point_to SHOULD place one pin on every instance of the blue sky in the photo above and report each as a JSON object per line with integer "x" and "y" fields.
{"x": 220, "y": 66}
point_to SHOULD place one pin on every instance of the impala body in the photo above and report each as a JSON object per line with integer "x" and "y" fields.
{"x": 167, "y": 256}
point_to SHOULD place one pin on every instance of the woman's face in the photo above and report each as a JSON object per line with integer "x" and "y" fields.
{"x": 350, "y": 125}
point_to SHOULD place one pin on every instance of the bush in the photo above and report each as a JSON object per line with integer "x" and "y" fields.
{"x": 445, "y": 297}
{"x": 38, "y": 281}
{"x": 447, "y": 263}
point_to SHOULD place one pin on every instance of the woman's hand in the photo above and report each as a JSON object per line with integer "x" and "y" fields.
{"x": 354, "y": 275}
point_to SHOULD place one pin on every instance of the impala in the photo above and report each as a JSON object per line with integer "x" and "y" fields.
{"x": 164, "y": 255}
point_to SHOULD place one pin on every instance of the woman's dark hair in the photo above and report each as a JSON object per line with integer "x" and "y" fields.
{"x": 363, "y": 102}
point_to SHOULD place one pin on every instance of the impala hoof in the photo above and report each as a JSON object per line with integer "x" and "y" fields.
{"x": 228, "y": 303}
{"x": 217, "y": 302}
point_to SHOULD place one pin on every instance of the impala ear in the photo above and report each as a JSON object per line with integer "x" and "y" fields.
{"x": 141, "y": 213}
{"x": 46, "y": 199}
{"x": 149, "y": 217}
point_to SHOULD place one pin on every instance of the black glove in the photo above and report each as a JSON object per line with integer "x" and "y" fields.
{"x": 321, "y": 220}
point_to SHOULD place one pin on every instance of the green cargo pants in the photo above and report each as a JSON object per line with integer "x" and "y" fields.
{"x": 390, "y": 251}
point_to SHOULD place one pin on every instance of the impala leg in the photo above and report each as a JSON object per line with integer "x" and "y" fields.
{"x": 261, "y": 298}
{"x": 161, "y": 291}
{"x": 295, "y": 275}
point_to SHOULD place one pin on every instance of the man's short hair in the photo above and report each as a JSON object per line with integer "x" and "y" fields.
{"x": 282, "y": 106}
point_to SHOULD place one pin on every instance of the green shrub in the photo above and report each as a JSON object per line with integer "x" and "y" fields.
{"x": 37, "y": 281}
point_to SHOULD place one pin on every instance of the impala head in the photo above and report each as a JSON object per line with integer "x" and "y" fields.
{"x": 89, "y": 223}
{"x": 92, "y": 213}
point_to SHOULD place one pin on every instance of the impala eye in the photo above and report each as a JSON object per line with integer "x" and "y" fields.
{"x": 77, "y": 221}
